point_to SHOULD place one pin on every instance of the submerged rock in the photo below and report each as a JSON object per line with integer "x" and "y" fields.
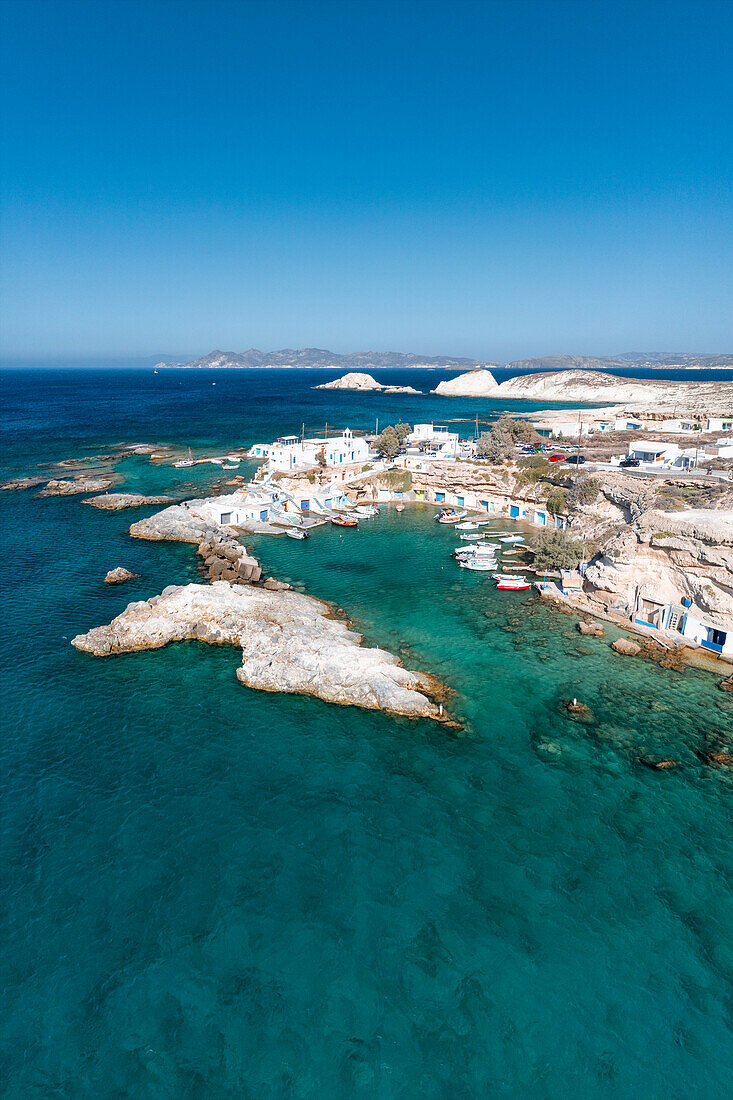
{"x": 289, "y": 642}
{"x": 657, "y": 765}
{"x": 591, "y": 628}
{"x": 727, "y": 684}
{"x": 626, "y": 646}
{"x": 579, "y": 710}
{"x": 114, "y": 502}
{"x": 716, "y": 759}
{"x": 119, "y": 575}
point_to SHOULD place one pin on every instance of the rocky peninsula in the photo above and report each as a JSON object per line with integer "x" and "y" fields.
{"x": 595, "y": 387}
{"x": 364, "y": 383}
{"x": 289, "y": 642}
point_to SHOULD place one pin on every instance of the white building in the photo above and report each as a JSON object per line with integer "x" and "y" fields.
{"x": 290, "y": 453}
{"x": 719, "y": 424}
{"x": 651, "y": 452}
{"x": 436, "y": 440}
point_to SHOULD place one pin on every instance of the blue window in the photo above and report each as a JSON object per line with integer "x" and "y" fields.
{"x": 439, "y": 497}
{"x": 460, "y": 501}
{"x": 484, "y": 504}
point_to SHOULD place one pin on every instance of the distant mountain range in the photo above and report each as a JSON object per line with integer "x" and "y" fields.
{"x": 390, "y": 360}
{"x": 318, "y": 357}
{"x": 629, "y": 358}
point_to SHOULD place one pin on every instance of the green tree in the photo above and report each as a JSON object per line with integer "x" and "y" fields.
{"x": 495, "y": 445}
{"x": 388, "y": 443}
{"x": 403, "y": 430}
{"x": 556, "y": 550}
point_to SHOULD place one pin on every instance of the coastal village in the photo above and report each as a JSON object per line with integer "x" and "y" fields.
{"x": 623, "y": 513}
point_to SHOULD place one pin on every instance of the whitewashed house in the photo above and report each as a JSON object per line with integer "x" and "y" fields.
{"x": 290, "y": 453}
{"x": 719, "y": 424}
{"x": 435, "y": 439}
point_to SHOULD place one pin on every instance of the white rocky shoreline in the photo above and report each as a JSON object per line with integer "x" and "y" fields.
{"x": 290, "y": 642}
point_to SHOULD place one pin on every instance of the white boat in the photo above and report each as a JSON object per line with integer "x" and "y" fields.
{"x": 400, "y": 508}
{"x": 467, "y": 526}
{"x": 512, "y": 538}
{"x": 475, "y": 551}
{"x": 449, "y": 515}
{"x": 508, "y": 577}
{"x": 508, "y": 584}
{"x": 366, "y": 511}
{"x": 469, "y": 536}
{"x": 185, "y": 461}
{"x": 296, "y": 533}
{"x": 476, "y": 565}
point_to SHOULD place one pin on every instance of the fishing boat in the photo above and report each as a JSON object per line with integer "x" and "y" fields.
{"x": 467, "y": 526}
{"x": 366, "y": 511}
{"x": 512, "y": 538}
{"x": 508, "y": 584}
{"x": 344, "y": 521}
{"x": 400, "y": 508}
{"x": 185, "y": 461}
{"x": 508, "y": 577}
{"x": 296, "y": 533}
{"x": 469, "y": 536}
{"x": 230, "y": 466}
{"x": 476, "y": 565}
{"x": 449, "y": 515}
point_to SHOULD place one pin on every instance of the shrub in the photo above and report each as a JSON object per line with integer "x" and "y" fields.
{"x": 557, "y": 501}
{"x": 400, "y": 480}
{"x": 585, "y": 491}
{"x": 367, "y": 468}
{"x": 556, "y": 550}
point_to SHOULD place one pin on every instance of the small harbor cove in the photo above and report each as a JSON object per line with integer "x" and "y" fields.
{"x": 211, "y": 883}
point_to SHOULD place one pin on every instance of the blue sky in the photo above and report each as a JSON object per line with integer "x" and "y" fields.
{"x": 486, "y": 179}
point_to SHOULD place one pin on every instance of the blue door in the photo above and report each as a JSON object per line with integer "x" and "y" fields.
{"x": 263, "y": 515}
{"x": 440, "y": 497}
{"x": 514, "y": 511}
{"x": 305, "y": 505}
{"x": 460, "y": 501}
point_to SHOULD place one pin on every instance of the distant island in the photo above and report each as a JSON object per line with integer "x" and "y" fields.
{"x": 320, "y": 358}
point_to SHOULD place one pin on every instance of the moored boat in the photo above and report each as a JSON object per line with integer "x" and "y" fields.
{"x": 296, "y": 533}
{"x": 185, "y": 461}
{"x": 467, "y": 525}
{"x": 344, "y": 521}
{"x": 468, "y": 536}
{"x": 449, "y": 515}
{"x": 509, "y": 584}
{"x": 512, "y": 538}
{"x": 476, "y": 565}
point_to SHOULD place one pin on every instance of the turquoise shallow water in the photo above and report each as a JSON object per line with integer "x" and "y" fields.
{"x": 212, "y": 892}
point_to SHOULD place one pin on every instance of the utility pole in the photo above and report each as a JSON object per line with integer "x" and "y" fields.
{"x": 376, "y": 427}
{"x": 476, "y": 432}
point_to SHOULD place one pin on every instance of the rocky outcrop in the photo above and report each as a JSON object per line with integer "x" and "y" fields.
{"x": 289, "y": 642}
{"x": 179, "y": 523}
{"x": 364, "y": 383}
{"x": 668, "y": 556}
{"x": 593, "y": 629}
{"x": 68, "y": 487}
{"x": 225, "y": 559}
{"x": 626, "y": 647}
{"x": 726, "y": 684}
{"x": 22, "y": 483}
{"x": 596, "y": 387}
{"x": 115, "y": 502}
{"x": 475, "y": 383}
{"x": 120, "y": 575}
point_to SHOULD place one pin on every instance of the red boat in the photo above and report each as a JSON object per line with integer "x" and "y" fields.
{"x": 344, "y": 521}
{"x": 511, "y": 585}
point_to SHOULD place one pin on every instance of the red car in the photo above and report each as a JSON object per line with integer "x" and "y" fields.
{"x": 557, "y": 458}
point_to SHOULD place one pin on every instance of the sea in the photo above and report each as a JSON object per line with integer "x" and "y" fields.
{"x": 213, "y": 892}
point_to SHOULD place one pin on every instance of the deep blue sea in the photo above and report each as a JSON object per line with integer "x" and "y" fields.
{"x": 210, "y": 892}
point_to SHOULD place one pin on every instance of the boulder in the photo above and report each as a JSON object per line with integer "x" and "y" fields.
{"x": 716, "y": 759}
{"x": 275, "y": 586}
{"x": 591, "y": 628}
{"x": 115, "y": 502}
{"x": 727, "y": 684}
{"x": 119, "y": 575}
{"x": 626, "y": 646}
{"x": 657, "y": 765}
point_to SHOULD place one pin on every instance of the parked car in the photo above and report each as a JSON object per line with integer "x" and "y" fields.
{"x": 557, "y": 458}
{"x": 629, "y": 462}
{"x": 577, "y": 459}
